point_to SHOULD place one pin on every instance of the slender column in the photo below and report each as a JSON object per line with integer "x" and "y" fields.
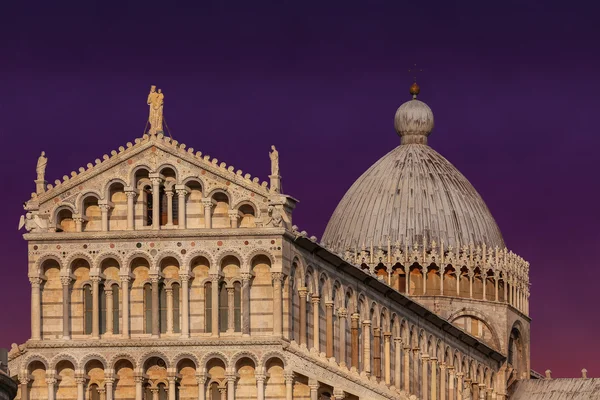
{"x": 415, "y": 369}
{"x": 302, "y": 292}
{"x": 245, "y": 304}
{"x": 51, "y": 382}
{"x": 233, "y": 218}
{"x": 484, "y": 280}
{"x": 104, "y": 212}
{"x": 458, "y": 275}
{"x": 155, "y": 311}
{"x": 482, "y": 391}
{"x": 36, "y": 282}
{"x": 354, "y": 320}
{"x": 277, "y": 304}
{"x": 231, "y": 387}
{"x": 366, "y": 334}
{"x": 102, "y": 393}
{"x": 181, "y": 220}
{"x": 201, "y": 380}
{"x": 424, "y": 367}
{"x": 80, "y": 381}
{"x": 342, "y": 315}
{"x": 139, "y": 393}
{"x": 442, "y": 269}
{"x": 451, "y": 395}
{"x": 215, "y": 304}
{"x": 289, "y": 385}
{"x": 314, "y": 389}
{"x": 433, "y": 378}
{"x": 496, "y": 284}
{"x": 169, "y": 310}
{"x": 108, "y": 382}
{"x": 130, "y": 209}
{"x": 95, "y": 307}
{"x": 125, "y": 306}
{"x": 155, "y": 202}
{"x": 329, "y": 329}
{"x": 66, "y": 281}
{"x": 172, "y": 388}
{"x": 470, "y": 284}
{"x": 315, "y": 303}
{"x": 207, "y": 203}
{"x": 387, "y": 362}
{"x": 109, "y": 307}
{"x": 424, "y": 271}
{"x": 406, "y": 368}
{"x": 260, "y": 386}
{"x": 185, "y": 305}
{"x": 397, "y": 362}
{"x": 230, "y": 310}
{"x": 24, "y": 383}
{"x": 443, "y": 377}
{"x": 154, "y": 392}
{"x": 78, "y": 224}
{"x": 505, "y": 288}
{"x": 170, "y": 208}
{"x": 223, "y": 392}
{"x": 377, "y": 352}
{"x": 459, "y": 385}
{"x": 406, "y": 280}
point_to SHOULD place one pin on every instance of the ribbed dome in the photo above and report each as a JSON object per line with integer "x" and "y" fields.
{"x": 411, "y": 194}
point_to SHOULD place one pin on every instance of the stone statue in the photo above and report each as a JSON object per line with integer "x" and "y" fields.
{"x": 274, "y": 156}
{"x": 31, "y": 222}
{"x": 275, "y": 217}
{"x": 155, "y": 118}
{"x": 41, "y": 166}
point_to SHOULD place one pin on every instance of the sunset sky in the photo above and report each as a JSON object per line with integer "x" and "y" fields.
{"x": 513, "y": 86}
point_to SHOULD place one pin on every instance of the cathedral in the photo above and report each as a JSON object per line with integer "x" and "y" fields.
{"x": 160, "y": 273}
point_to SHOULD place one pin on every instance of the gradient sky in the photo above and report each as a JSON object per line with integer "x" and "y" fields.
{"x": 513, "y": 86}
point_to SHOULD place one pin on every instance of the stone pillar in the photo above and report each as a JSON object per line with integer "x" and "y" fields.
{"x": 406, "y": 280}
{"x": 130, "y": 209}
{"x": 289, "y": 385}
{"x": 451, "y": 378}
{"x": 233, "y": 218}
{"x": 215, "y": 304}
{"x": 185, "y": 305}
{"x": 459, "y": 385}
{"x": 424, "y": 271}
{"x": 496, "y": 284}
{"x": 78, "y": 223}
{"x": 154, "y": 392}
{"x": 231, "y": 386}
{"x": 36, "y": 307}
{"x": 207, "y": 203}
{"x": 51, "y": 382}
{"x": 482, "y": 391}
{"x": 315, "y": 303}
{"x": 484, "y": 280}
{"x": 314, "y": 389}
{"x": 366, "y": 334}
{"x": 338, "y": 394}
{"x": 108, "y": 382}
{"x": 406, "y": 369}
{"x": 354, "y": 345}
{"x": 397, "y": 363}
{"x": 104, "y": 212}
{"x": 223, "y": 392}
{"x": 181, "y": 193}
{"x": 24, "y": 384}
{"x": 424, "y": 371}
{"x": 302, "y": 292}
{"x": 442, "y": 270}
{"x": 415, "y": 370}
{"x": 172, "y": 388}
{"x": 470, "y": 284}
{"x": 434, "y": 379}
{"x": 170, "y": 208}
{"x": 155, "y": 304}
{"x": 387, "y": 362}
{"x": 342, "y": 315}
{"x": 155, "y": 202}
{"x": 230, "y": 310}
{"x": 109, "y": 308}
{"x": 95, "y": 306}
{"x": 201, "y": 379}
{"x": 443, "y": 377}
{"x": 139, "y": 392}
{"x": 277, "y": 304}
{"x": 505, "y": 289}
{"x": 125, "y": 305}
{"x": 169, "y": 291}
{"x": 66, "y": 282}
{"x": 329, "y": 329}
{"x": 102, "y": 393}
{"x": 260, "y": 386}
{"x": 376, "y": 352}
{"x": 246, "y": 304}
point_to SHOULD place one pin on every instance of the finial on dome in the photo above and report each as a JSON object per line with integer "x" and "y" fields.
{"x": 414, "y": 119}
{"x": 414, "y": 90}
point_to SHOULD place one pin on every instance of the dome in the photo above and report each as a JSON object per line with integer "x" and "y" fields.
{"x": 412, "y": 195}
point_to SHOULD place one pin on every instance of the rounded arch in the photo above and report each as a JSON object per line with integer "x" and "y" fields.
{"x": 47, "y": 257}
{"x": 92, "y": 357}
{"x": 298, "y": 260}
{"x": 325, "y": 286}
{"x": 271, "y": 355}
{"x": 185, "y": 356}
{"x": 222, "y": 190}
{"x": 211, "y": 355}
{"x": 337, "y": 294}
{"x": 122, "y": 356}
{"x": 350, "y": 301}
{"x": 62, "y": 206}
{"x": 166, "y": 165}
{"x": 63, "y": 357}
{"x": 194, "y": 178}
{"x": 244, "y": 354}
{"x": 84, "y": 195}
{"x": 197, "y": 253}
{"x": 107, "y": 255}
{"x": 470, "y": 312}
{"x": 138, "y": 254}
{"x": 310, "y": 279}
{"x": 247, "y": 201}
{"x": 79, "y": 255}
{"x": 166, "y": 254}
{"x": 111, "y": 182}
{"x": 27, "y": 361}
{"x": 151, "y": 354}
{"x": 259, "y": 252}
{"x": 134, "y": 171}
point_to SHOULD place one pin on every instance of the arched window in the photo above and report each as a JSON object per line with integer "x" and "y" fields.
{"x": 214, "y": 391}
{"x": 115, "y": 310}
{"x": 176, "y": 314}
{"x": 87, "y": 307}
{"x": 162, "y": 392}
{"x": 208, "y": 307}
{"x": 147, "y": 308}
{"x": 162, "y": 307}
{"x": 94, "y": 393}
{"x": 223, "y": 307}
{"x": 102, "y": 309}
{"x": 237, "y": 306}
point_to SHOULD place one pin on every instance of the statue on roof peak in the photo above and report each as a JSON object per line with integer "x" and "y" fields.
{"x": 155, "y": 101}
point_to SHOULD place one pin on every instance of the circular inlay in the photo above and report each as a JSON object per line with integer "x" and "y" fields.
{"x": 58, "y": 246}
{"x": 219, "y": 243}
{"x": 193, "y": 244}
{"x": 154, "y": 252}
{"x": 178, "y": 244}
{"x": 35, "y": 247}
{"x": 272, "y": 242}
{"x": 203, "y": 172}
{"x": 246, "y": 242}
{"x": 152, "y": 244}
{"x": 85, "y": 246}
{"x": 183, "y": 251}
{"x": 112, "y": 246}
{"x": 138, "y": 245}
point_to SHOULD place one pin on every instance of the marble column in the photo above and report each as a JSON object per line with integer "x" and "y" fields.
{"x": 233, "y": 218}
{"x": 260, "y": 386}
{"x": 51, "y": 382}
{"x": 215, "y": 305}
{"x": 315, "y": 309}
{"x": 170, "y": 208}
{"x": 416, "y": 360}
{"x": 496, "y": 280}
{"x": 314, "y": 389}
{"x": 130, "y": 209}
{"x": 169, "y": 291}
{"x": 442, "y": 270}
{"x": 471, "y": 284}
{"x": 125, "y": 305}
{"x": 104, "y": 212}
{"x": 342, "y": 315}
{"x": 434, "y": 379}
{"x": 366, "y": 334}
{"x": 78, "y": 223}
{"x": 246, "y": 303}
{"x": 406, "y": 280}
{"x": 302, "y": 292}
{"x": 354, "y": 321}
{"x": 155, "y": 202}
{"x": 66, "y": 306}
{"x": 102, "y": 393}
{"x": 207, "y": 203}
{"x": 109, "y": 382}
{"x": 289, "y": 385}
{"x": 109, "y": 309}
{"x": 406, "y": 369}
{"x": 95, "y": 306}
{"x": 482, "y": 391}
{"x": 181, "y": 193}
{"x": 484, "y": 280}
{"x": 201, "y": 380}
{"x": 154, "y": 392}
{"x": 223, "y": 392}
{"x": 230, "y": 310}
{"x": 24, "y": 384}
{"x": 424, "y": 272}
{"x": 387, "y": 362}
{"x": 397, "y": 362}
{"x": 443, "y": 377}
{"x": 424, "y": 374}
{"x": 172, "y": 388}
{"x": 155, "y": 304}
{"x": 36, "y": 308}
{"x": 277, "y": 304}
{"x": 376, "y": 352}
{"x": 185, "y": 305}
{"x": 139, "y": 390}
{"x": 459, "y": 385}
{"x": 329, "y": 329}
{"x": 451, "y": 394}
{"x": 230, "y": 387}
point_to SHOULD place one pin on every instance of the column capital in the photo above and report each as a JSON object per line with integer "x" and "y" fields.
{"x": 450, "y": 368}
{"x": 154, "y": 278}
{"x": 387, "y": 335}
{"x": 24, "y": 380}
{"x": 230, "y": 290}
{"x": 65, "y": 280}
{"x": 51, "y": 381}
{"x": 125, "y": 278}
{"x": 156, "y": 180}
{"x": 169, "y": 194}
{"x": 460, "y": 374}
{"x": 260, "y": 377}
{"x": 201, "y": 379}
{"x": 138, "y": 378}
{"x": 130, "y": 194}
{"x": 172, "y": 379}
{"x": 207, "y": 203}
{"x": 233, "y": 214}
{"x": 109, "y": 381}
{"x": 277, "y": 277}
{"x": 425, "y": 356}
{"x": 398, "y": 341}
{"x": 355, "y": 316}
{"x": 35, "y": 281}
{"x": 181, "y": 192}
{"x": 339, "y": 394}
{"x": 288, "y": 376}
{"x": 108, "y": 291}
{"x": 215, "y": 278}
{"x": 302, "y": 290}
{"x": 184, "y": 277}
{"x": 245, "y": 276}
{"x": 315, "y": 298}
{"x": 95, "y": 278}
{"x": 366, "y": 322}
{"x": 329, "y": 304}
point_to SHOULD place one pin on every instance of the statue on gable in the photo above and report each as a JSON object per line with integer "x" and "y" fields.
{"x": 275, "y": 217}
{"x": 32, "y": 222}
{"x": 155, "y": 118}
{"x": 41, "y": 173}
{"x": 275, "y": 177}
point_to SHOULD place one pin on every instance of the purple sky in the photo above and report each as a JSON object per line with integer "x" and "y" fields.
{"x": 513, "y": 87}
